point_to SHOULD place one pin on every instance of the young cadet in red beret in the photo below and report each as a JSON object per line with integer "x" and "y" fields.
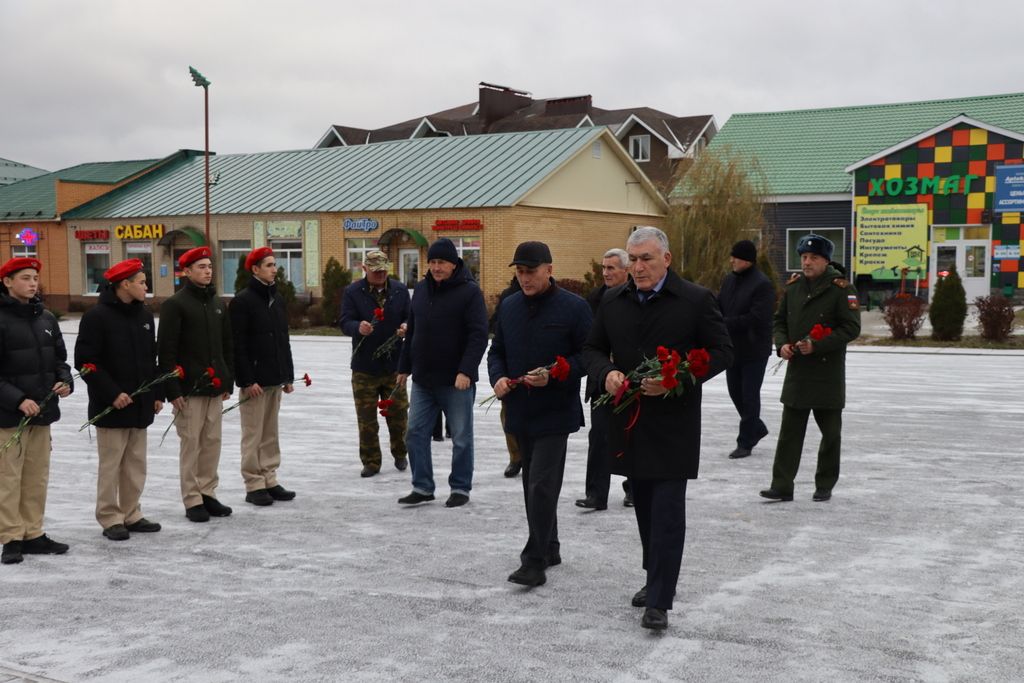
{"x": 263, "y": 370}
{"x": 195, "y": 333}
{"x": 119, "y": 338}
{"x": 32, "y": 364}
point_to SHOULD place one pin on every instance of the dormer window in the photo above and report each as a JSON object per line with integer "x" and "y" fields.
{"x": 640, "y": 147}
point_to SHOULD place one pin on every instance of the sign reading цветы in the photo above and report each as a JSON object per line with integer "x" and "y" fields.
{"x": 1009, "y": 194}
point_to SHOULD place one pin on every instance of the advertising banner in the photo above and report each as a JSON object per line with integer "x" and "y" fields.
{"x": 890, "y": 238}
{"x": 1009, "y": 194}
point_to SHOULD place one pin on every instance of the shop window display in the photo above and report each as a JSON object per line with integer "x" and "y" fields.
{"x": 288, "y": 254}
{"x": 97, "y": 260}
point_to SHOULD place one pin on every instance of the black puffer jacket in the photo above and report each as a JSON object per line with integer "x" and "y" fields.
{"x": 120, "y": 340}
{"x": 32, "y": 359}
{"x": 195, "y": 333}
{"x": 259, "y": 322}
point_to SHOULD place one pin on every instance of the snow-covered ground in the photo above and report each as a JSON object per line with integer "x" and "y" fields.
{"x": 914, "y": 570}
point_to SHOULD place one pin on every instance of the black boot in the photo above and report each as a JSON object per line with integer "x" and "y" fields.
{"x": 278, "y": 492}
{"x": 215, "y": 507}
{"x": 655, "y": 619}
{"x": 528, "y": 576}
{"x": 259, "y": 497}
{"x": 12, "y": 553}
{"x": 43, "y": 545}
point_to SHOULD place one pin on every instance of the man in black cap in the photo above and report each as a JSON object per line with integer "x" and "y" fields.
{"x": 535, "y": 327}
{"x": 444, "y": 343}
{"x": 816, "y": 372}
{"x": 747, "y": 300}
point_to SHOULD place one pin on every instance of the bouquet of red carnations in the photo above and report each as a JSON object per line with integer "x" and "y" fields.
{"x": 669, "y": 366}
{"x": 559, "y": 371}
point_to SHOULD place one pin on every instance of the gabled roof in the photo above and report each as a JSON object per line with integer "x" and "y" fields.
{"x": 36, "y": 198}
{"x": 13, "y": 171}
{"x": 427, "y": 173}
{"x": 808, "y": 151}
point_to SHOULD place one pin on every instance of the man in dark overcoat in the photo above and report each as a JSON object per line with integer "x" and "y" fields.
{"x": 535, "y": 327}
{"x": 747, "y": 299}
{"x": 656, "y": 441}
{"x": 118, "y": 336}
{"x": 816, "y": 369}
{"x": 263, "y": 372}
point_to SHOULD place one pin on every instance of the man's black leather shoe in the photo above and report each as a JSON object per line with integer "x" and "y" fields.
{"x": 197, "y": 513}
{"x": 401, "y": 464}
{"x": 655, "y": 619}
{"x": 117, "y": 532}
{"x": 456, "y": 500}
{"x": 43, "y": 545}
{"x": 772, "y": 494}
{"x": 259, "y": 497}
{"x": 740, "y": 453}
{"x": 513, "y": 469}
{"x": 528, "y": 576}
{"x": 143, "y": 526}
{"x": 821, "y": 495}
{"x": 640, "y": 598}
{"x": 628, "y": 499}
{"x": 368, "y": 471}
{"x": 415, "y": 498}
{"x": 215, "y": 507}
{"x": 591, "y": 503}
{"x": 11, "y": 553}
{"x": 278, "y": 492}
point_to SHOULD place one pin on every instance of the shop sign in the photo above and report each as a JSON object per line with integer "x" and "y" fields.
{"x": 92, "y": 234}
{"x": 361, "y": 224}
{"x": 27, "y": 236}
{"x": 914, "y": 185}
{"x": 284, "y": 229}
{"x": 1009, "y": 194}
{"x": 1006, "y": 251}
{"x": 139, "y": 232}
{"x": 465, "y": 224}
{"x": 890, "y": 238}
{"x": 97, "y": 248}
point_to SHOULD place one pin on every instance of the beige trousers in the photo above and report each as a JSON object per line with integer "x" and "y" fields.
{"x": 24, "y": 474}
{"x": 198, "y": 428}
{"x": 121, "y": 476}
{"x": 261, "y": 452}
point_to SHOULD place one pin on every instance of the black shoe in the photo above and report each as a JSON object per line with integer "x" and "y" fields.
{"x": 197, "y": 513}
{"x": 401, "y": 464}
{"x": 772, "y": 494}
{"x": 12, "y": 553}
{"x": 43, "y": 545}
{"x": 640, "y": 598}
{"x": 143, "y": 526}
{"x": 117, "y": 532}
{"x": 591, "y": 503}
{"x": 740, "y": 452}
{"x": 260, "y": 497}
{"x": 415, "y": 498}
{"x": 215, "y": 507}
{"x": 628, "y": 499}
{"x": 821, "y": 495}
{"x": 456, "y": 500}
{"x": 655, "y": 619}
{"x": 554, "y": 560}
{"x": 368, "y": 471}
{"x": 278, "y": 492}
{"x": 513, "y": 469}
{"x": 528, "y": 576}
{"x": 438, "y": 438}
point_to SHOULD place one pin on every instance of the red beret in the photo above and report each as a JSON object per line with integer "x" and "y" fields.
{"x": 193, "y": 255}
{"x": 20, "y": 263}
{"x": 257, "y": 255}
{"x": 123, "y": 270}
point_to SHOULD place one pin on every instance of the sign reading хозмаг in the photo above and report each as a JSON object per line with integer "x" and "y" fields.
{"x": 1009, "y": 194}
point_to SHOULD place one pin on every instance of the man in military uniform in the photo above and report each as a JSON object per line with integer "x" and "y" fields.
{"x": 374, "y": 379}
{"x": 816, "y": 373}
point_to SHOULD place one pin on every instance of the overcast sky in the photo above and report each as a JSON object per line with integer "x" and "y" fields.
{"x": 100, "y": 81}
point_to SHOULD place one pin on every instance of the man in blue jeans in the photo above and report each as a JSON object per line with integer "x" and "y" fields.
{"x": 444, "y": 343}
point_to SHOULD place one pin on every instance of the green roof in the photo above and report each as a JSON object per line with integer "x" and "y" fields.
{"x": 13, "y": 171}
{"x": 36, "y": 198}
{"x": 444, "y": 172}
{"x": 806, "y": 152}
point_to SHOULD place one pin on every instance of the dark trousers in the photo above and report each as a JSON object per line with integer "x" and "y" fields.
{"x": 543, "y": 460}
{"x": 661, "y": 518}
{"x": 599, "y": 464}
{"x": 791, "y": 445}
{"x": 744, "y": 380}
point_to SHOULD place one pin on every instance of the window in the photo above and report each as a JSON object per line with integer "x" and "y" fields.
{"x": 469, "y": 251}
{"x": 357, "y": 249}
{"x": 231, "y": 251}
{"x": 640, "y": 147}
{"x": 144, "y": 252}
{"x": 836, "y": 235}
{"x": 288, "y": 254}
{"x": 24, "y": 251}
{"x": 96, "y": 257}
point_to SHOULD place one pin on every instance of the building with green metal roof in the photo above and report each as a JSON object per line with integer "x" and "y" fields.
{"x": 819, "y": 164}
{"x": 13, "y": 171}
{"x": 578, "y": 189}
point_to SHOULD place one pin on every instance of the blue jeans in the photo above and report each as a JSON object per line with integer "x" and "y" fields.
{"x": 425, "y": 404}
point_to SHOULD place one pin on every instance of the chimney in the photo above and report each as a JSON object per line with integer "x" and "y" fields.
{"x": 568, "y": 105}
{"x": 498, "y": 101}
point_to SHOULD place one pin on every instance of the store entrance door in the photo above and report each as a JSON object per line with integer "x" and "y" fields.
{"x": 972, "y": 259}
{"x": 409, "y": 266}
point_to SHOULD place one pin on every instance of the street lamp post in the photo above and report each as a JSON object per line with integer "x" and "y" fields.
{"x": 203, "y": 83}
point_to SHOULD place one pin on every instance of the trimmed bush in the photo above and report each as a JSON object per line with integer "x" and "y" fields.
{"x": 577, "y": 287}
{"x": 904, "y": 315}
{"x": 592, "y": 279}
{"x": 949, "y": 308}
{"x": 335, "y": 280}
{"x": 995, "y": 317}
{"x": 242, "y": 275}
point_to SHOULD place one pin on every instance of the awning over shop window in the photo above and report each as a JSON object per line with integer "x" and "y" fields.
{"x": 396, "y": 233}
{"x": 198, "y": 238}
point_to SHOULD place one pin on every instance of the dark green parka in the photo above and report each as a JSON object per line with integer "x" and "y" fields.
{"x": 819, "y": 379}
{"x": 195, "y": 333}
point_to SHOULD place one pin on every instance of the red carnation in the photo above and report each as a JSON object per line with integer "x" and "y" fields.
{"x": 663, "y": 354}
{"x": 560, "y": 370}
{"x": 87, "y": 368}
{"x": 179, "y": 371}
{"x": 669, "y": 381}
{"x": 698, "y": 361}
{"x": 215, "y": 382}
{"x": 378, "y": 313}
{"x": 211, "y": 372}
{"x": 306, "y": 379}
{"x": 819, "y": 332}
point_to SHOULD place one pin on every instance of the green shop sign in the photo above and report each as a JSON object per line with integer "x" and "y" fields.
{"x": 892, "y": 187}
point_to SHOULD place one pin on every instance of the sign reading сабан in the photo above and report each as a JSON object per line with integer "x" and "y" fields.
{"x": 890, "y": 238}
{"x": 139, "y": 232}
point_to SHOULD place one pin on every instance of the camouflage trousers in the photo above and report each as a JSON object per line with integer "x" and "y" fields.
{"x": 367, "y": 389}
